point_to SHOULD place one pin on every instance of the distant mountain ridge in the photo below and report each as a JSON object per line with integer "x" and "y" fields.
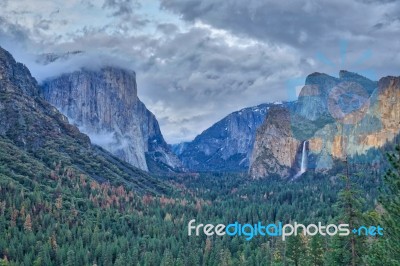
{"x": 226, "y": 145}
{"x": 349, "y": 115}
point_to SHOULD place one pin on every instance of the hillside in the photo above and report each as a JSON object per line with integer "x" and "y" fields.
{"x": 36, "y": 132}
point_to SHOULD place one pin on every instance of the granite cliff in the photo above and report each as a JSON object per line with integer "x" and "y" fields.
{"x": 105, "y": 106}
{"x": 350, "y": 116}
{"x": 35, "y": 137}
{"x": 226, "y": 145}
{"x": 275, "y": 146}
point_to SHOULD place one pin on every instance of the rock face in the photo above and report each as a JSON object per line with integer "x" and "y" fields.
{"x": 20, "y": 97}
{"x": 314, "y": 98}
{"x": 15, "y": 77}
{"x": 349, "y": 116}
{"x": 105, "y": 106}
{"x": 34, "y": 128}
{"x": 275, "y": 147}
{"x": 225, "y": 146}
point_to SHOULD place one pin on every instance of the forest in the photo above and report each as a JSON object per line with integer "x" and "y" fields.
{"x": 62, "y": 217}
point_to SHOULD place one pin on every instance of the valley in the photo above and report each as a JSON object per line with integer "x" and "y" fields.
{"x": 86, "y": 177}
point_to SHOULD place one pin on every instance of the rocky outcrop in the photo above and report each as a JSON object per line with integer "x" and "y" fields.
{"x": 105, "y": 106}
{"x": 15, "y": 77}
{"x": 312, "y": 101}
{"x": 21, "y": 108}
{"x": 373, "y": 124}
{"x": 225, "y": 146}
{"x": 316, "y": 98}
{"x": 275, "y": 148}
{"x": 349, "y": 116}
{"x": 38, "y": 137}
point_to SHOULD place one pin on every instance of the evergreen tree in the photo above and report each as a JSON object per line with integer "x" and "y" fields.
{"x": 225, "y": 258}
{"x": 120, "y": 261}
{"x": 316, "y": 250}
{"x": 4, "y": 262}
{"x": 28, "y": 223}
{"x": 385, "y": 250}
{"x": 295, "y": 249}
{"x": 347, "y": 250}
{"x": 167, "y": 260}
{"x": 71, "y": 261}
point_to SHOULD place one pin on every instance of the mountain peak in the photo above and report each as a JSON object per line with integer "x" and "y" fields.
{"x": 345, "y": 74}
{"x": 318, "y": 78}
{"x": 367, "y": 84}
{"x": 15, "y": 77}
{"x": 4, "y": 54}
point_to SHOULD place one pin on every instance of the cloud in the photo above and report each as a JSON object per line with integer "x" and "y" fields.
{"x": 3, "y": 3}
{"x": 126, "y": 14}
{"x": 196, "y": 61}
{"x": 284, "y": 21}
{"x": 306, "y": 25}
{"x": 167, "y": 28}
{"x": 121, "y": 7}
{"x": 193, "y": 85}
{"x": 187, "y": 87}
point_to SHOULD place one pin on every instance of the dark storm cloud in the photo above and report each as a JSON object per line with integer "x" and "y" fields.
{"x": 283, "y": 21}
{"x": 121, "y": 7}
{"x": 387, "y": 22}
{"x": 13, "y": 36}
{"x": 167, "y": 28}
{"x": 125, "y": 11}
{"x": 304, "y": 24}
{"x": 307, "y": 25}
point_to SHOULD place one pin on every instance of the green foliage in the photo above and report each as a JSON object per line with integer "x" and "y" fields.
{"x": 348, "y": 250}
{"x": 386, "y": 250}
{"x": 296, "y": 249}
{"x": 316, "y": 250}
{"x": 77, "y": 220}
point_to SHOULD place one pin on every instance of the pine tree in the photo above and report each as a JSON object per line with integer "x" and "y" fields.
{"x": 71, "y": 261}
{"x": 4, "y": 262}
{"x": 347, "y": 250}
{"x": 120, "y": 261}
{"x": 37, "y": 261}
{"x": 225, "y": 258}
{"x": 316, "y": 250}
{"x": 386, "y": 249}
{"x": 295, "y": 249}
{"x": 28, "y": 223}
{"x": 167, "y": 259}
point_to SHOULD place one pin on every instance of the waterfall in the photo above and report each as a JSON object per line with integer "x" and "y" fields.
{"x": 303, "y": 166}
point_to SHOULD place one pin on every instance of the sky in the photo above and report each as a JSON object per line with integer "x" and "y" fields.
{"x": 198, "y": 60}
